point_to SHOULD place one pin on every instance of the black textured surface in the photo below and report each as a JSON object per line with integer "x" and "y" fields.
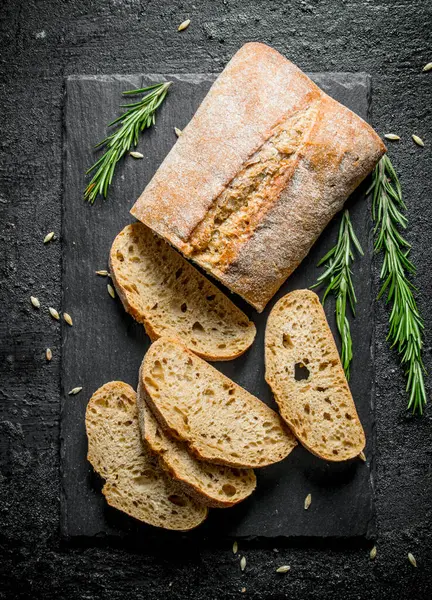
{"x": 41, "y": 42}
{"x": 106, "y": 344}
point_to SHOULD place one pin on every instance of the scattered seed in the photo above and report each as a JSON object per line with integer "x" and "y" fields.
{"x": 243, "y": 563}
{"x": 243, "y": 590}
{"x": 111, "y": 291}
{"x": 102, "y": 273}
{"x": 74, "y": 391}
{"x": 136, "y": 154}
{"x": 35, "y": 301}
{"x": 48, "y": 354}
{"x": 68, "y": 319}
{"x": 308, "y": 501}
{"x": 362, "y": 456}
{"x": 275, "y": 550}
{"x": 373, "y": 553}
{"x": 49, "y": 236}
{"x": 418, "y": 140}
{"x": 178, "y": 131}
{"x": 391, "y": 136}
{"x": 54, "y": 313}
{"x": 235, "y": 548}
{"x": 412, "y": 559}
{"x": 183, "y": 25}
{"x": 283, "y": 569}
{"x": 427, "y": 67}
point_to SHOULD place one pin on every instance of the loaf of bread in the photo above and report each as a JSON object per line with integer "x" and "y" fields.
{"x": 160, "y": 289}
{"x": 305, "y": 373}
{"x": 216, "y": 486}
{"x": 135, "y": 483}
{"x": 218, "y": 420}
{"x": 262, "y": 167}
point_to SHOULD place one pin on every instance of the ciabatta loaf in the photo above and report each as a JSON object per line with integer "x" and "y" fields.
{"x": 213, "y": 485}
{"x": 305, "y": 373}
{"x": 160, "y": 289}
{"x": 218, "y": 420}
{"x": 135, "y": 483}
{"x": 259, "y": 171}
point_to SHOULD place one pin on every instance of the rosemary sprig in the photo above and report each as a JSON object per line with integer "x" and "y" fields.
{"x": 406, "y": 325}
{"x": 337, "y": 277}
{"x": 139, "y": 116}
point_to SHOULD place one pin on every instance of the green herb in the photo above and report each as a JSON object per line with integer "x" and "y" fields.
{"x": 337, "y": 277}
{"x": 139, "y": 116}
{"x": 406, "y": 325}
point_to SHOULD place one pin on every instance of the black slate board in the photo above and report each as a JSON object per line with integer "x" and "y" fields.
{"x": 106, "y": 344}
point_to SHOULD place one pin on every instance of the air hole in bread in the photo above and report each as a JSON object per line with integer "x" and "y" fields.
{"x": 120, "y": 256}
{"x": 306, "y": 408}
{"x": 321, "y": 389}
{"x": 211, "y": 297}
{"x": 178, "y": 273}
{"x": 323, "y": 366}
{"x": 128, "y": 423}
{"x": 154, "y": 307}
{"x": 287, "y": 341}
{"x": 348, "y": 416}
{"x": 221, "y": 346}
{"x": 183, "y": 307}
{"x": 198, "y": 327}
{"x": 327, "y": 416}
{"x": 177, "y": 500}
{"x": 301, "y": 371}
{"x": 231, "y": 392}
{"x": 229, "y": 489}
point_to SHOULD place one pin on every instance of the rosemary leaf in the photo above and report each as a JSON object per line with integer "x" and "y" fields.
{"x": 405, "y": 323}
{"x": 139, "y": 116}
{"x": 338, "y": 281}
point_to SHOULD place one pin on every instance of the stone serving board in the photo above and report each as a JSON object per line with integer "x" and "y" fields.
{"x": 106, "y": 344}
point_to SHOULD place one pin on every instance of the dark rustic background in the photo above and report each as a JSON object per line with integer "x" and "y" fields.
{"x": 42, "y": 42}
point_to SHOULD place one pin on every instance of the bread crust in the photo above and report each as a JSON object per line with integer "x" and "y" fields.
{"x": 294, "y": 396}
{"x": 257, "y": 90}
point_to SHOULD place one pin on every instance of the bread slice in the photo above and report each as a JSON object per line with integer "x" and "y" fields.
{"x": 160, "y": 289}
{"x": 220, "y": 421}
{"x": 135, "y": 483}
{"x": 213, "y": 485}
{"x": 319, "y": 408}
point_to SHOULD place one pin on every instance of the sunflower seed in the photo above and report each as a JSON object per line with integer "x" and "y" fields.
{"x": 48, "y": 354}
{"x": 362, "y": 456}
{"x": 373, "y": 553}
{"x": 136, "y": 154}
{"x": 49, "y": 236}
{"x": 412, "y": 559}
{"x": 68, "y": 319}
{"x": 243, "y": 563}
{"x": 178, "y": 131}
{"x": 427, "y": 67}
{"x": 243, "y": 590}
{"x": 418, "y": 140}
{"x": 102, "y": 273}
{"x": 54, "y": 313}
{"x": 391, "y": 136}
{"x": 74, "y": 391}
{"x": 235, "y": 548}
{"x": 35, "y": 301}
{"x": 183, "y": 25}
{"x": 308, "y": 501}
{"x": 111, "y": 291}
{"x": 283, "y": 569}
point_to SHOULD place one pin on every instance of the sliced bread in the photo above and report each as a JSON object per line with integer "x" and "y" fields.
{"x": 213, "y": 485}
{"x": 169, "y": 296}
{"x": 305, "y": 373}
{"x": 135, "y": 483}
{"x": 219, "y": 421}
